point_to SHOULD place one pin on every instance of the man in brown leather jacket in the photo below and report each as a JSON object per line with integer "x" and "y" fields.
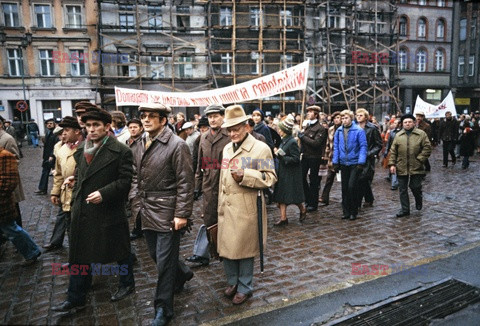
{"x": 162, "y": 192}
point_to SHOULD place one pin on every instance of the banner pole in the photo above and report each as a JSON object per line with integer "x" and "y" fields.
{"x": 303, "y": 109}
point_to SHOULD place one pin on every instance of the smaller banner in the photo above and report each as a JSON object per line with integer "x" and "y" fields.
{"x": 436, "y": 111}
{"x": 287, "y": 80}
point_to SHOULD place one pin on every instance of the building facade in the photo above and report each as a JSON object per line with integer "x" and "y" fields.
{"x": 46, "y": 57}
{"x": 424, "y": 56}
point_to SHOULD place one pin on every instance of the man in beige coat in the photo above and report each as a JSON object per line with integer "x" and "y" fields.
{"x": 61, "y": 194}
{"x": 247, "y": 167}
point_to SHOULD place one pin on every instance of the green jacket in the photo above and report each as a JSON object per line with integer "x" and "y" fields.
{"x": 409, "y": 153}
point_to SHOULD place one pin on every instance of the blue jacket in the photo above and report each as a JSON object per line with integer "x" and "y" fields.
{"x": 356, "y": 149}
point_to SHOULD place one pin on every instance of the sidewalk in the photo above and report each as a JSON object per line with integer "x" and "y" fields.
{"x": 300, "y": 260}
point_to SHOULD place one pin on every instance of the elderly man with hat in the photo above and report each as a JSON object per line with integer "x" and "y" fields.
{"x": 162, "y": 193}
{"x": 80, "y": 109}
{"x": 48, "y": 158}
{"x": 207, "y": 176}
{"x": 247, "y": 168}
{"x": 99, "y": 226}
{"x": 192, "y": 135}
{"x": 64, "y": 168}
{"x": 314, "y": 142}
{"x": 410, "y": 149}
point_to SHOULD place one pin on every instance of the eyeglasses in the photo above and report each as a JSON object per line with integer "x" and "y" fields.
{"x": 143, "y": 116}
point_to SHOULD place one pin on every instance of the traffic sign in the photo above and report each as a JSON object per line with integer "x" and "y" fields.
{"x": 22, "y": 106}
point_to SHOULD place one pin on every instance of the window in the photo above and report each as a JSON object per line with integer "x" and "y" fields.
{"x": 184, "y": 67}
{"x": 422, "y": 28}
{"x": 46, "y": 62}
{"x": 225, "y": 16}
{"x": 463, "y": 29}
{"x": 439, "y": 60}
{"x": 10, "y": 14}
{"x": 51, "y": 109}
{"x": 226, "y": 63}
{"x": 126, "y": 18}
{"x": 422, "y": 2}
{"x": 473, "y": 27}
{"x": 403, "y": 26}
{"x": 255, "y": 16}
{"x": 74, "y": 16}
{"x": 441, "y": 29}
{"x": 43, "y": 16}
{"x": 155, "y": 21}
{"x": 183, "y": 16}
{"x": 287, "y": 61}
{"x": 421, "y": 60}
{"x": 15, "y": 63}
{"x": 471, "y": 65}
{"x": 77, "y": 62}
{"x": 128, "y": 68}
{"x": 333, "y": 21}
{"x": 286, "y": 18}
{"x": 402, "y": 60}
{"x": 157, "y": 66}
{"x": 441, "y": 3}
{"x": 461, "y": 64}
{"x": 258, "y": 61}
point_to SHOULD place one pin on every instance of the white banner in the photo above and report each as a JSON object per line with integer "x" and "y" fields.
{"x": 436, "y": 111}
{"x": 288, "y": 80}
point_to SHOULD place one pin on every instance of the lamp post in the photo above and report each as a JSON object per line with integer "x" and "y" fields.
{"x": 26, "y": 40}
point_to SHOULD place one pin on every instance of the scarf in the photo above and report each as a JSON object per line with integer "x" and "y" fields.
{"x": 91, "y": 149}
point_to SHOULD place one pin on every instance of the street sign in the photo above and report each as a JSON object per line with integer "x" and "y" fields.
{"x": 22, "y": 106}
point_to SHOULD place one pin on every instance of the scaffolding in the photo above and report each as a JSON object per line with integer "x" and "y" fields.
{"x": 196, "y": 45}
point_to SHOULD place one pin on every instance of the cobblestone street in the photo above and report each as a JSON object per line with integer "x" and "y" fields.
{"x": 301, "y": 260}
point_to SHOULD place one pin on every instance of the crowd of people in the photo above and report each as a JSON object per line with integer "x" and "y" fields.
{"x": 154, "y": 167}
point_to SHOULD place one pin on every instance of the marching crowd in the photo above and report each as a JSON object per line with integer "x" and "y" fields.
{"x": 152, "y": 169}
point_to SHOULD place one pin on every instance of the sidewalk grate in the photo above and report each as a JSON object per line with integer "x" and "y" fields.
{"x": 417, "y": 307}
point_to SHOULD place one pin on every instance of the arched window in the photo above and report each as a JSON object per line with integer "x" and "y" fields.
{"x": 439, "y": 60}
{"x": 421, "y": 60}
{"x": 403, "y": 59}
{"x": 441, "y": 29}
{"x": 422, "y": 28}
{"x": 403, "y": 26}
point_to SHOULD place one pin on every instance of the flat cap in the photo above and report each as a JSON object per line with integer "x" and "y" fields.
{"x": 156, "y": 107}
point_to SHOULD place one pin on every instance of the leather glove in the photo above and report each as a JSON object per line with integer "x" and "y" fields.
{"x": 197, "y": 194}
{"x": 336, "y": 168}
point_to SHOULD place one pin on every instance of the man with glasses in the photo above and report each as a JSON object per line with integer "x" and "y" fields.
{"x": 162, "y": 193}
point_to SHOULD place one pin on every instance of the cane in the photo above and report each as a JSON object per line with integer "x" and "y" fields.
{"x": 260, "y": 227}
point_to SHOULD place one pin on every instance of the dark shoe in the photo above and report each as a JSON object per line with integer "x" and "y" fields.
{"x": 230, "y": 291}
{"x": 69, "y": 307}
{"x": 353, "y": 217}
{"x": 134, "y": 236}
{"x": 281, "y": 222}
{"x": 40, "y": 192}
{"x": 402, "y": 214}
{"x": 51, "y": 247}
{"x": 367, "y": 204}
{"x": 31, "y": 261}
{"x": 394, "y": 188}
{"x": 122, "y": 292}
{"x": 160, "y": 318}
{"x": 311, "y": 209}
{"x": 303, "y": 216}
{"x": 445, "y": 165}
{"x": 419, "y": 205}
{"x": 323, "y": 202}
{"x": 345, "y": 217}
{"x": 198, "y": 260}
{"x": 240, "y": 298}
{"x": 185, "y": 278}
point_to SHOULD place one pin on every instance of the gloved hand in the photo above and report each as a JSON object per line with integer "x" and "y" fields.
{"x": 197, "y": 194}
{"x": 360, "y": 167}
{"x": 336, "y": 168}
{"x": 300, "y": 134}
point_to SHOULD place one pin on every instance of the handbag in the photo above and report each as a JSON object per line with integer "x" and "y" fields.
{"x": 212, "y": 235}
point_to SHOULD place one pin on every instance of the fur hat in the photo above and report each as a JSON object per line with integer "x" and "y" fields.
{"x": 203, "y": 122}
{"x": 407, "y": 116}
{"x": 69, "y": 122}
{"x": 100, "y": 115}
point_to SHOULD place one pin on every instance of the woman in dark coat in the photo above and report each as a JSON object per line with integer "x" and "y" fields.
{"x": 467, "y": 143}
{"x": 289, "y": 188}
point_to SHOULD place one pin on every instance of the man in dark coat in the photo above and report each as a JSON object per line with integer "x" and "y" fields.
{"x": 314, "y": 142}
{"x": 448, "y": 134}
{"x": 425, "y": 127}
{"x": 207, "y": 178}
{"x": 33, "y": 131}
{"x": 99, "y": 227}
{"x": 162, "y": 193}
{"x": 48, "y": 161}
{"x": 374, "y": 146}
